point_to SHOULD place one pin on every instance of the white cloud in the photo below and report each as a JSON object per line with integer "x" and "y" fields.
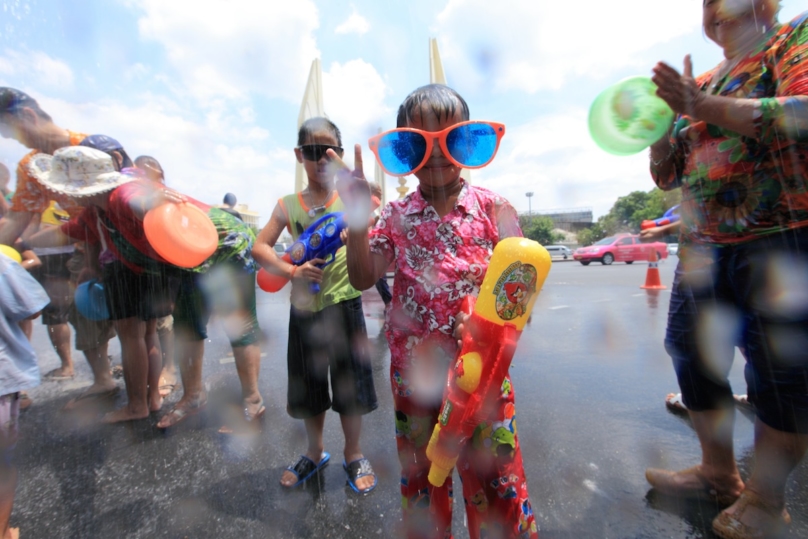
{"x": 554, "y": 156}
{"x": 199, "y": 160}
{"x": 532, "y": 46}
{"x": 354, "y": 24}
{"x": 354, "y": 98}
{"x": 230, "y": 50}
{"x": 135, "y": 72}
{"x": 33, "y": 68}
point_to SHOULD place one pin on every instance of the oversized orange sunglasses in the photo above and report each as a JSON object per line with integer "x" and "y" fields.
{"x": 405, "y": 150}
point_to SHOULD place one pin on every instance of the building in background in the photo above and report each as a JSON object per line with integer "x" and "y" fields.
{"x": 569, "y": 219}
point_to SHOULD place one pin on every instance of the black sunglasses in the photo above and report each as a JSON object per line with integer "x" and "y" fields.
{"x": 315, "y": 152}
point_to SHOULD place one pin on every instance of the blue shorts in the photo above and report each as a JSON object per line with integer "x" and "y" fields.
{"x": 751, "y": 295}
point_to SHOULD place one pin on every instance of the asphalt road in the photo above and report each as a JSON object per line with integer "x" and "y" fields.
{"x": 590, "y": 376}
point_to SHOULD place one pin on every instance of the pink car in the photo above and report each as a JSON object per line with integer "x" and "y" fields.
{"x": 620, "y": 248}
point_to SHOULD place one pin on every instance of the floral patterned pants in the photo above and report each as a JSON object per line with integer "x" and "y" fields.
{"x": 490, "y": 468}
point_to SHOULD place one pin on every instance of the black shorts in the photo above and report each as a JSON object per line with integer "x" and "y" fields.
{"x": 145, "y": 296}
{"x": 745, "y": 280}
{"x": 333, "y": 339}
{"x": 54, "y": 276}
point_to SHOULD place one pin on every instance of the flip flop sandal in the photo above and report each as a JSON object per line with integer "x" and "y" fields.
{"x": 25, "y": 401}
{"x": 729, "y": 526}
{"x": 166, "y": 389}
{"x": 116, "y": 371}
{"x": 181, "y": 414}
{"x": 360, "y": 468}
{"x": 742, "y": 402}
{"x": 252, "y": 420}
{"x": 305, "y": 468}
{"x": 675, "y": 404}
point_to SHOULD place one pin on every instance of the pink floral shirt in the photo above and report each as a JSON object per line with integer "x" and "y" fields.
{"x": 438, "y": 262}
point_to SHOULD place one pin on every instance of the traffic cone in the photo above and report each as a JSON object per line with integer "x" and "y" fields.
{"x": 652, "y": 281}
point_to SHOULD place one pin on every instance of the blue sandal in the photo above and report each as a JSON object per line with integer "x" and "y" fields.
{"x": 360, "y": 468}
{"x": 304, "y": 468}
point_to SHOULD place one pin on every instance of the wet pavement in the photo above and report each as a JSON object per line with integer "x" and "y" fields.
{"x": 590, "y": 375}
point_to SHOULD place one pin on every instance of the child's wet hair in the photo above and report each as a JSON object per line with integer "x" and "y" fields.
{"x": 313, "y": 125}
{"x": 442, "y": 100}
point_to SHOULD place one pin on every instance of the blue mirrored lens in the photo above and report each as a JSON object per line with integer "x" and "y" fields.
{"x": 401, "y": 151}
{"x": 472, "y": 145}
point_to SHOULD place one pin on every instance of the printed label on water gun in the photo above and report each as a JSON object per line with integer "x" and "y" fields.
{"x": 513, "y": 290}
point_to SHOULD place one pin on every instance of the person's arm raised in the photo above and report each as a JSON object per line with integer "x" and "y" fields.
{"x": 752, "y": 118}
{"x": 364, "y": 267}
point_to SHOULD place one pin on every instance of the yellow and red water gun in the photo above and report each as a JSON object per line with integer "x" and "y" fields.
{"x": 515, "y": 275}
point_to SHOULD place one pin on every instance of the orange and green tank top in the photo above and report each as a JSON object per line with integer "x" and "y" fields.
{"x": 335, "y": 287}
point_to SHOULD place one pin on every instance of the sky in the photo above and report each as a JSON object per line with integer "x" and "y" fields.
{"x": 212, "y": 88}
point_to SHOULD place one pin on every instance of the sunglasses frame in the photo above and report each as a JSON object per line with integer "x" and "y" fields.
{"x": 339, "y": 150}
{"x": 430, "y": 136}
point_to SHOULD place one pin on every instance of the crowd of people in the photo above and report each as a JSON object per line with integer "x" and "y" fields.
{"x": 737, "y": 149}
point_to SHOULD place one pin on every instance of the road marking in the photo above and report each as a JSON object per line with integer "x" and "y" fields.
{"x": 637, "y": 295}
{"x": 226, "y": 360}
{"x": 559, "y": 307}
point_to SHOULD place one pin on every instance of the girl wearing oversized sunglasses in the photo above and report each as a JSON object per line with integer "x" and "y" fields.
{"x": 440, "y": 239}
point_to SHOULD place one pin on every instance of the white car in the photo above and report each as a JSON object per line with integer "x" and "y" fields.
{"x": 559, "y": 250}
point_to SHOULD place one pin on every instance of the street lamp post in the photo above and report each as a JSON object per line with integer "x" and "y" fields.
{"x": 529, "y": 195}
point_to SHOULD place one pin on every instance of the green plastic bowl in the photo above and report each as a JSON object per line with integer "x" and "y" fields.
{"x": 628, "y": 117}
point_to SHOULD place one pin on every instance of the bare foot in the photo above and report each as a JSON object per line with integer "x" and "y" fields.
{"x": 12, "y": 533}
{"x": 125, "y": 414}
{"x": 155, "y": 402}
{"x": 92, "y": 394}
{"x": 187, "y": 406}
{"x": 59, "y": 374}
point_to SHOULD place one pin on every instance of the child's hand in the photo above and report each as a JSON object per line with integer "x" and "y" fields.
{"x": 651, "y": 234}
{"x": 310, "y": 271}
{"x": 462, "y": 319}
{"x": 165, "y": 194}
{"x": 353, "y": 188}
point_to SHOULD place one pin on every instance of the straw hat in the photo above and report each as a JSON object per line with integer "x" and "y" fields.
{"x": 77, "y": 171}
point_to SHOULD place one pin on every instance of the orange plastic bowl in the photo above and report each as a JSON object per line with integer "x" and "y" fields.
{"x": 181, "y": 233}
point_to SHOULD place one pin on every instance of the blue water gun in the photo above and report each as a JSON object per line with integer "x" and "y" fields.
{"x": 669, "y": 217}
{"x": 320, "y": 240}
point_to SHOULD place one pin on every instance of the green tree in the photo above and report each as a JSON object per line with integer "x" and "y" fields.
{"x": 628, "y": 213}
{"x": 540, "y": 228}
{"x": 590, "y": 235}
